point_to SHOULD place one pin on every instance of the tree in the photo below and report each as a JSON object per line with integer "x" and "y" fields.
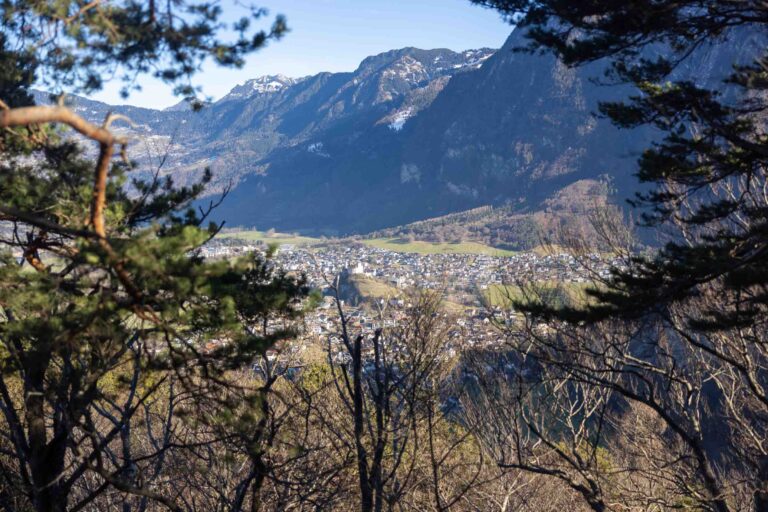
{"x": 710, "y": 165}
{"x": 392, "y": 384}
{"x": 267, "y": 302}
{"x": 534, "y": 418}
{"x": 679, "y": 331}
{"x": 94, "y": 280}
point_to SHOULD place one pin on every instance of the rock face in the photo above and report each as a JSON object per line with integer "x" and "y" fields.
{"x": 410, "y": 134}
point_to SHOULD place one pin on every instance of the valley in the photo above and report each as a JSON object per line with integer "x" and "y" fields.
{"x": 469, "y": 274}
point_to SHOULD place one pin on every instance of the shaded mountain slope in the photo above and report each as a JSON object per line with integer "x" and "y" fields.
{"x": 409, "y": 135}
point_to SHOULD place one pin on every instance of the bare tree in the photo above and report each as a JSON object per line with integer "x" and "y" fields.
{"x": 700, "y": 393}
{"x": 392, "y": 384}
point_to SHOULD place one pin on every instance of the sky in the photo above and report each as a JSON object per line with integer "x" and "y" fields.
{"x": 335, "y": 35}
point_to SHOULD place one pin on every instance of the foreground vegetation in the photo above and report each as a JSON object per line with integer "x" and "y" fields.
{"x": 137, "y": 376}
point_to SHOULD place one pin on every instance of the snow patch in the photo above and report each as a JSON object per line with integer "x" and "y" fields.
{"x": 399, "y": 119}
{"x": 317, "y": 149}
{"x": 407, "y": 69}
{"x": 477, "y": 62}
{"x": 262, "y": 85}
{"x": 271, "y": 86}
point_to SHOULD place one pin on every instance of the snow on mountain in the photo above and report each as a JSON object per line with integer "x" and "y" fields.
{"x": 407, "y": 68}
{"x": 475, "y": 58}
{"x": 399, "y": 119}
{"x": 267, "y": 84}
{"x": 318, "y": 149}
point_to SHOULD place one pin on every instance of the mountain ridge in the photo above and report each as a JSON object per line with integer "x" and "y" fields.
{"x": 409, "y": 135}
{"x": 269, "y": 115}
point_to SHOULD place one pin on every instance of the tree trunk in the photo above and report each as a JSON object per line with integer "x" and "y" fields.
{"x": 46, "y": 459}
{"x": 366, "y": 493}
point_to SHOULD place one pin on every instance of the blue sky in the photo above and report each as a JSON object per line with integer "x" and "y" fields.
{"x": 335, "y": 35}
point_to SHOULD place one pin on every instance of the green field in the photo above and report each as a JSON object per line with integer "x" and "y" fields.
{"x": 505, "y": 295}
{"x": 371, "y": 288}
{"x": 270, "y": 238}
{"x": 390, "y": 244}
{"x": 403, "y": 245}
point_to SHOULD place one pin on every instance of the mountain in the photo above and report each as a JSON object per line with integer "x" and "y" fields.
{"x": 258, "y": 86}
{"x": 511, "y": 131}
{"x": 410, "y": 134}
{"x": 237, "y": 134}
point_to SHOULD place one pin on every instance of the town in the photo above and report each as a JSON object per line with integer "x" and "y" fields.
{"x": 373, "y": 285}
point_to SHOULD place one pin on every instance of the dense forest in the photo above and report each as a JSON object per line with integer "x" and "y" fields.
{"x": 137, "y": 375}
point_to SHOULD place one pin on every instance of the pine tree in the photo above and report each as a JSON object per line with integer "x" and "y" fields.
{"x": 708, "y": 171}
{"x": 104, "y": 298}
{"x": 680, "y": 331}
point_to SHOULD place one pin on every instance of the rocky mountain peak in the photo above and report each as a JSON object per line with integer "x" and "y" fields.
{"x": 391, "y": 76}
{"x": 432, "y": 63}
{"x": 266, "y": 84}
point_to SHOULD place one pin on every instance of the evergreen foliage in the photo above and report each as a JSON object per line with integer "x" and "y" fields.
{"x": 708, "y": 168}
{"x": 672, "y": 347}
{"x": 103, "y": 296}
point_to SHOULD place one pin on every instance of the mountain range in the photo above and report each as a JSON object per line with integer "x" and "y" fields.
{"x": 409, "y": 135}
